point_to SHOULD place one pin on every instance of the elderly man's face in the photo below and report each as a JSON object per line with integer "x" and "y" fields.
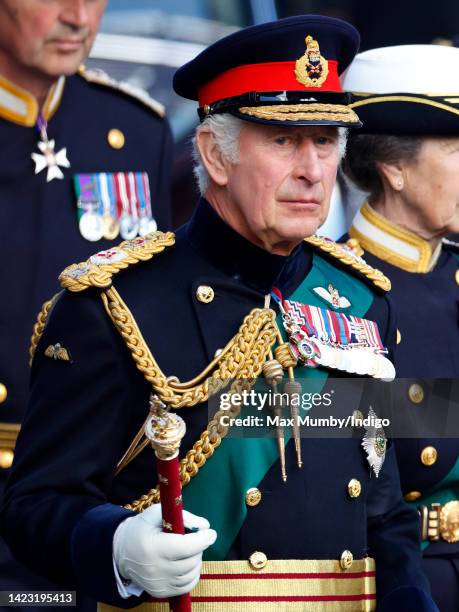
{"x": 280, "y": 190}
{"x": 51, "y": 37}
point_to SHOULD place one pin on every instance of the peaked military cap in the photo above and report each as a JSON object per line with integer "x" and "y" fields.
{"x": 406, "y": 89}
{"x": 284, "y": 71}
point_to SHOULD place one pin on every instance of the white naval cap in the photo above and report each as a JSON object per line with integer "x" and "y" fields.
{"x": 406, "y": 89}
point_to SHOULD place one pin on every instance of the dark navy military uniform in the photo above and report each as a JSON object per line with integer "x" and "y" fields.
{"x": 38, "y": 220}
{"x": 63, "y": 502}
{"x": 426, "y": 304}
{"x": 175, "y": 308}
{"x": 405, "y": 104}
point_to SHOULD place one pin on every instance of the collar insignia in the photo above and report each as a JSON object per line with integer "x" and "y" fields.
{"x": 311, "y": 69}
{"x": 332, "y": 296}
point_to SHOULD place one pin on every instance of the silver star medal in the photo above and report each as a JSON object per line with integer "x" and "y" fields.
{"x": 51, "y": 160}
{"x": 375, "y": 443}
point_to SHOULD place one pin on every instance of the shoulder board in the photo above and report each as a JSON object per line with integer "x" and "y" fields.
{"x": 345, "y": 255}
{"x": 99, "y": 269}
{"x": 450, "y": 245}
{"x": 102, "y": 78}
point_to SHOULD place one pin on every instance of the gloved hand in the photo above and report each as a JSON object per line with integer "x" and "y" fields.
{"x": 163, "y": 564}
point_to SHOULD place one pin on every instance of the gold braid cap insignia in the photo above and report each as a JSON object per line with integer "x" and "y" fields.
{"x": 98, "y": 270}
{"x": 346, "y": 255}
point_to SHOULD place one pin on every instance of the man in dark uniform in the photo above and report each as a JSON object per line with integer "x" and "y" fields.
{"x": 70, "y": 143}
{"x": 171, "y": 318}
{"x": 408, "y": 159}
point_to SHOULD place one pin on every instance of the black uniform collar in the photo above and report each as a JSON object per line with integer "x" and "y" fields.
{"x": 239, "y": 258}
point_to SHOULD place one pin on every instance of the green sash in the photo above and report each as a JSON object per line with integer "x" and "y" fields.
{"x": 218, "y": 491}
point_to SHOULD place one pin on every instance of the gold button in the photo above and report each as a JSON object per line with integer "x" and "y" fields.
{"x": 429, "y": 455}
{"x": 116, "y": 138}
{"x": 206, "y": 109}
{"x": 412, "y": 496}
{"x": 3, "y": 393}
{"x": 253, "y": 497}
{"x": 399, "y": 336}
{"x": 346, "y": 559}
{"x": 354, "y": 488}
{"x": 457, "y": 277}
{"x": 258, "y": 560}
{"x": 357, "y": 416}
{"x": 205, "y": 294}
{"x": 416, "y": 393}
{"x": 6, "y": 458}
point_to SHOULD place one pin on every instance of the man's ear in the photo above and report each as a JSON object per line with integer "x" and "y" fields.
{"x": 212, "y": 158}
{"x": 392, "y": 174}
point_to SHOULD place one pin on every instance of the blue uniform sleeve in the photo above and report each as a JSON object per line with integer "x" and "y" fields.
{"x": 55, "y": 515}
{"x": 393, "y": 540}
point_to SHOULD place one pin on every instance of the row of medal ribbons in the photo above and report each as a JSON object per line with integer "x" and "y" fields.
{"x": 335, "y": 340}
{"x": 114, "y": 203}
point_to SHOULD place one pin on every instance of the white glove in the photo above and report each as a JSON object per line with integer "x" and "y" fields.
{"x": 163, "y": 564}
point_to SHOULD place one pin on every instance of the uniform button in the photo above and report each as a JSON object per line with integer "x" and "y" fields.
{"x": 416, "y": 393}
{"x": 3, "y": 393}
{"x": 205, "y": 294}
{"x": 412, "y": 496}
{"x": 258, "y": 560}
{"x": 6, "y": 458}
{"x": 354, "y": 488}
{"x": 346, "y": 560}
{"x": 399, "y": 336}
{"x": 456, "y": 276}
{"x": 116, "y": 138}
{"x": 429, "y": 455}
{"x": 253, "y": 497}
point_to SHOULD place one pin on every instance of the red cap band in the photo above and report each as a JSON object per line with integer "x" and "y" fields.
{"x": 272, "y": 76}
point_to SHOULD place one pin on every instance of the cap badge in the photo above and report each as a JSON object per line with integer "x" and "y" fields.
{"x": 311, "y": 69}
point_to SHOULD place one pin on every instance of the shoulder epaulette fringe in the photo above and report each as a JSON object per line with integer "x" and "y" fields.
{"x": 99, "y": 269}
{"x": 102, "y": 78}
{"x": 346, "y": 255}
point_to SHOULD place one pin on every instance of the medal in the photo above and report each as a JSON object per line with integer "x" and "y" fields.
{"x": 110, "y": 221}
{"x": 111, "y": 227}
{"x": 91, "y": 226}
{"x": 128, "y": 227}
{"x": 48, "y": 158}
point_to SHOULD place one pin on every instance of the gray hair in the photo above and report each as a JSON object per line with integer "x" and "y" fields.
{"x": 225, "y": 129}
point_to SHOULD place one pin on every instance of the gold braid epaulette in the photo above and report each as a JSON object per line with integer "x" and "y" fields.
{"x": 348, "y": 257}
{"x": 99, "y": 269}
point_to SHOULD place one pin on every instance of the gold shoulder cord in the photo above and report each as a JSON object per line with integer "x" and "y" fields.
{"x": 39, "y": 326}
{"x": 241, "y": 360}
{"x": 350, "y": 259}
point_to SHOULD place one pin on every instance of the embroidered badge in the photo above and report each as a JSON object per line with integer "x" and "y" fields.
{"x": 57, "y": 352}
{"x": 375, "y": 443}
{"x": 311, "y": 69}
{"x": 332, "y": 296}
